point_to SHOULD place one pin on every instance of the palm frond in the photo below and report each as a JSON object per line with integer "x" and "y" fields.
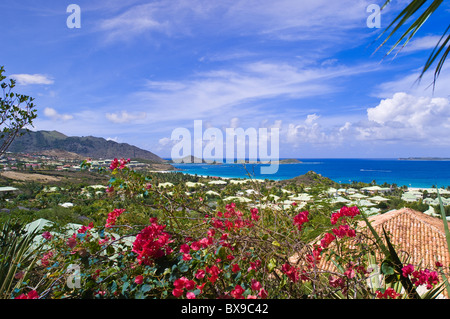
{"x": 402, "y": 19}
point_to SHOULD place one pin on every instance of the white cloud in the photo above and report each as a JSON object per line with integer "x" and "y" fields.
{"x": 125, "y": 117}
{"x": 165, "y": 141}
{"x": 114, "y": 139}
{"x": 422, "y": 43}
{"x": 54, "y": 115}
{"x": 283, "y": 19}
{"x": 240, "y": 89}
{"x": 409, "y": 118}
{"x": 411, "y": 85}
{"x": 402, "y": 119}
{"x": 27, "y": 79}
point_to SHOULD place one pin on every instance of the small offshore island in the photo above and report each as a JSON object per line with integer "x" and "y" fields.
{"x": 195, "y": 160}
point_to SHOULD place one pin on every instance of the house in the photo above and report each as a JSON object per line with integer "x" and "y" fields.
{"x": 413, "y": 234}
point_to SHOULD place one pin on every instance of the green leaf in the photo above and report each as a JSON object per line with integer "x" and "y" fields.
{"x": 275, "y": 243}
{"x": 146, "y": 288}
{"x": 387, "y": 268}
{"x": 125, "y": 287}
{"x": 271, "y": 265}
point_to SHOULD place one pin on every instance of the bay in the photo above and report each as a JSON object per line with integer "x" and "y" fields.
{"x": 411, "y": 173}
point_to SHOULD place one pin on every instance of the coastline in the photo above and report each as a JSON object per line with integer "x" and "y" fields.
{"x": 412, "y": 174}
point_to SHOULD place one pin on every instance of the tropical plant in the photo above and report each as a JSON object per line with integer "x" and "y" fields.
{"x": 442, "y": 48}
{"x": 13, "y": 116}
{"x": 18, "y": 256}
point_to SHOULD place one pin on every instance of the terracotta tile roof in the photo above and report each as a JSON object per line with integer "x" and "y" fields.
{"x": 416, "y": 234}
{"x": 421, "y": 236}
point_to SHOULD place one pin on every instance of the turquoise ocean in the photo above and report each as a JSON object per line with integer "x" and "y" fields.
{"x": 412, "y": 173}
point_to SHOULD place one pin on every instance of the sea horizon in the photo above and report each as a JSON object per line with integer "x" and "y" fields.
{"x": 411, "y": 173}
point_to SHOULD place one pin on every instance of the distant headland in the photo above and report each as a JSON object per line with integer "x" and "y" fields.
{"x": 424, "y": 159}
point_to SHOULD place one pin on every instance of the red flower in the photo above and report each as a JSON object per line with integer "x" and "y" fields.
{"x": 336, "y": 282}
{"x": 177, "y": 292}
{"x": 263, "y": 293}
{"x": 112, "y": 217}
{"x": 185, "y": 248}
{"x": 408, "y": 269}
{"x": 152, "y": 243}
{"x": 290, "y": 271}
{"x": 187, "y": 257}
{"x": 254, "y": 212}
{"x": 139, "y": 279}
{"x": 344, "y": 230}
{"x": 190, "y": 295}
{"x": 327, "y": 240}
{"x": 300, "y": 219}
{"x": 47, "y": 235}
{"x": 31, "y": 295}
{"x": 200, "y": 274}
{"x": 235, "y": 268}
{"x": 389, "y": 293}
{"x": 195, "y": 246}
{"x": 237, "y": 292}
{"x": 256, "y": 285}
{"x": 71, "y": 242}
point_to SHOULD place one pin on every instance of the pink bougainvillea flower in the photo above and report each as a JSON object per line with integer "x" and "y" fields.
{"x": 71, "y": 242}
{"x": 256, "y": 285}
{"x": 254, "y": 265}
{"x": 187, "y": 257}
{"x": 255, "y": 214}
{"x": 235, "y": 268}
{"x": 189, "y": 284}
{"x": 389, "y": 293}
{"x": 112, "y": 217}
{"x": 180, "y": 282}
{"x": 139, "y": 279}
{"x": 47, "y": 235}
{"x": 237, "y": 292}
{"x": 30, "y": 295}
{"x": 336, "y": 282}
{"x": 327, "y": 240}
{"x": 300, "y": 219}
{"x": 290, "y": 271}
{"x": 263, "y": 293}
{"x": 195, "y": 245}
{"x": 177, "y": 292}
{"x": 151, "y": 243}
{"x": 200, "y": 274}
{"x": 190, "y": 295}
{"x": 407, "y": 270}
{"x": 185, "y": 248}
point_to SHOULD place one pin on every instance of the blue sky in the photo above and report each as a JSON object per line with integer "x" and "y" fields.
{"x": 137, "y": 70}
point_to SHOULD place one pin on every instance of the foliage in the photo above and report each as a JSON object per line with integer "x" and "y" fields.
{"x": 13, "y": 116}
{"x": 441, "y": 49}
{"x": 17, "y": 257}
{"x": 147, "y": 241}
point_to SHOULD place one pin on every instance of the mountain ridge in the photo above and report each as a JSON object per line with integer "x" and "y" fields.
{"x": 88, "y": 146}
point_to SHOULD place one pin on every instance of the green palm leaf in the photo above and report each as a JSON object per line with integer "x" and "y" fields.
{"x": 441, "y": 49}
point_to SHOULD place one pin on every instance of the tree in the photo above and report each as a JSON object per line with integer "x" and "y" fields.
{"x": 16, "y": 112}
{"x": 442, "y": 48}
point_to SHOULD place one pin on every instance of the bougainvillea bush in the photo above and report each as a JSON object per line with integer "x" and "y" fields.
{"x": 187, "y": 250}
